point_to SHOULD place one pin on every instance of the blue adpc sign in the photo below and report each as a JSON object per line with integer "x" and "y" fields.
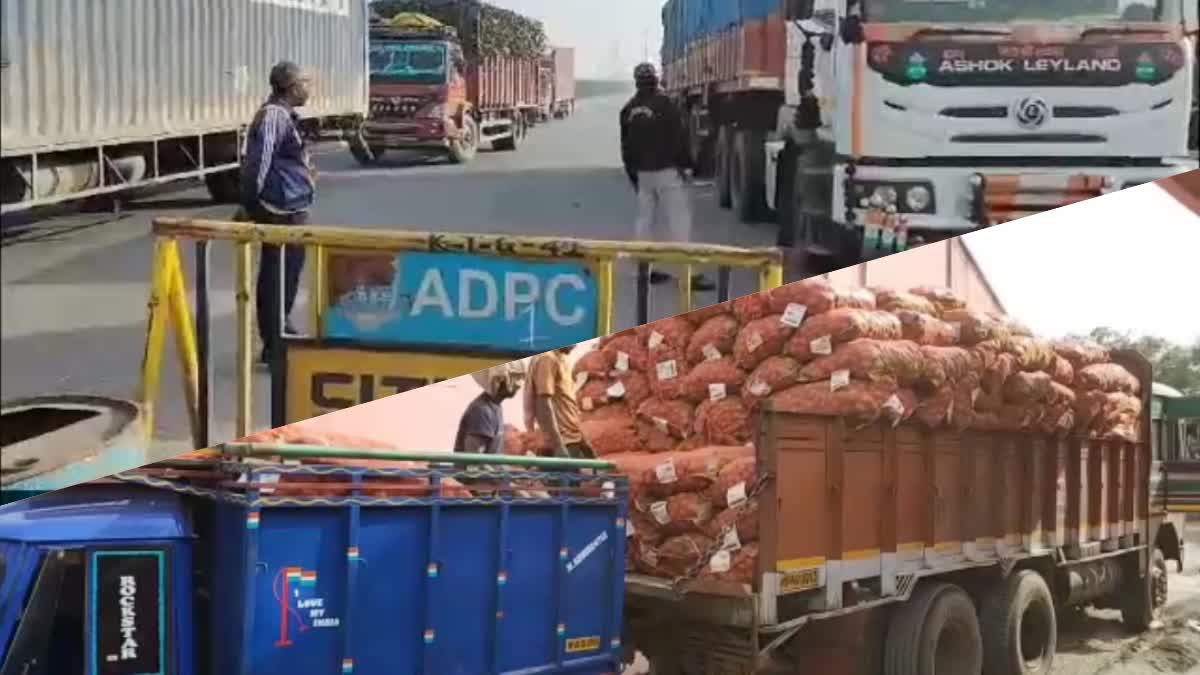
{"x": 466, "y": 302}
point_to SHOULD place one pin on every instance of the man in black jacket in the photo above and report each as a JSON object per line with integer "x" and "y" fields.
{"x": 654, "y": 150}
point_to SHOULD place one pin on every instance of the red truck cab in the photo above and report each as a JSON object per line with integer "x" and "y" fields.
{"x": 418, "y": 97}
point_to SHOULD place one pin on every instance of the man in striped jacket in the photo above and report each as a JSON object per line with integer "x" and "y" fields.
{"x": 278, "y": 187}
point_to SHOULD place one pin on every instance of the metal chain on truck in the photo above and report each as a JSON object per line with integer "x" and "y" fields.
{"x": 719, "y": 541}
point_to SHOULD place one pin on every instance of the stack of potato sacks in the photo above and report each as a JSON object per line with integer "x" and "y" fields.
{"x": 670, "y": 402}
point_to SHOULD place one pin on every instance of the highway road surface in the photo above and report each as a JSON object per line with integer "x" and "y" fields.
{"x": 75, "y": 285}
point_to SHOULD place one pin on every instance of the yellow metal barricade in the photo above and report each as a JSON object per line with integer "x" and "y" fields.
{"x": 170, "y": 311}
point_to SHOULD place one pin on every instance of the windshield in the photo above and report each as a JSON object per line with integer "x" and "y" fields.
{"x": 408, "y": 62}
{"x": 1005, "y": 11}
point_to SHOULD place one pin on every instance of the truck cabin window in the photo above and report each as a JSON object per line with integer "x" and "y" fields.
{"x": 408, "y": 63}
{"x": 1004, "y": 11}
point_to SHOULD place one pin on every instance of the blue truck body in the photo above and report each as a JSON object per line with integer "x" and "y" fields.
{"x": 244, "y": 582}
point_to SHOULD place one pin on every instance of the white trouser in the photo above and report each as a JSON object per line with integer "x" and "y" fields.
{"x": 663, "y": 196}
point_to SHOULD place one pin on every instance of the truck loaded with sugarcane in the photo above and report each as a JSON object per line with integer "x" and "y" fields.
{"x": 447, "y": 78}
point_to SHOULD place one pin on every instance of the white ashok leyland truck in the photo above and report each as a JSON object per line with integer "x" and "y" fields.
{"x": 906, "y": 121}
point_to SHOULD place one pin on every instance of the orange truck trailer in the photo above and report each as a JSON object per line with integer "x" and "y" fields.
{"x": 908, "y": 552}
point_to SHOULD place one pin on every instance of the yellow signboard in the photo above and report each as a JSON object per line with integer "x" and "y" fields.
{"x": 319, "y": 379}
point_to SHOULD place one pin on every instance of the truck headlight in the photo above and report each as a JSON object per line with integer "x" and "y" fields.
{"x": 884, "y": 195}
{"x": 918, "y": 198}
{"x": 436, "y": 111}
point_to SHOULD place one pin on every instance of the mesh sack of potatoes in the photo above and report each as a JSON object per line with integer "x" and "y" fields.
{"x": 630, "y": 388}
{"x": 642, "y": 526}
{"x": 677, "y": 556}
{"x": 1088, "y": 407}
{"x": 652, "y": 438}
{"x": 732, "y": 566}
{"x": 709, "y": 379}
{"x": 667, "y": 373}
{"x": 1107, "y": 377}
{"x": 1028, "y": 388}
{"x": 759, "y": 339}
{"x": 974, "y": 327}
{"x": 673, "y": 332}
{"x": 686, "y": 471}
{"x": 611, "y": 434}
{"x": 672, "y": 417}
{"x": 944, "y": 365}
{"x": 1062, "y": 371}
{"x": 734, "y": 481}
{"x": 773, "y": 374}
{"x": 742, "y": 520}
{"x": 750, "y": 307}
{"x": 513, "y": 444}
{"x": 1120, "y": 419}
{"x": 892, "y": 300}
{"x": 936, "y": 410}
{"x": 626, "y": 351}
{"x": 596, "y": 363}
{"x": 926, "y": 330}
{"x": 944, "y": 299}
{"x": 724, "y": 421}
{"x": 860, "y": 402}
{"x": 713, "y": 339}
{"x": 1059, "y": 419}
{"x": 677, "y": 514}
{"x": 894, "y": 361}
{"x": 1010, "y": 418}
{"x": 702, "y": 314}
{"x": 594, "y": 393}
{"x": 1013, "y": 326}
{"x": 1082, "y": 353}
{"x": 1032, "y": 353}
{"x": 818, "y": 296}
{"x": 818, "y": 335}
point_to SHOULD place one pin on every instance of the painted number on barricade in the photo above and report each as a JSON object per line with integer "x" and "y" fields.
{"x": 460, "y": 301}
{"x": 321, "y": 379}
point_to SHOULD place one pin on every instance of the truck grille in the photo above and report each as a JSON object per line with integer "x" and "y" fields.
{"x": 999, "y": 112}
{"x": 1000, "y": 198}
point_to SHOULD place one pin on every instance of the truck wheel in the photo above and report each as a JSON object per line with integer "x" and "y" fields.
{"x": 746, "y": 175}
{"x": 463, "y": 149}
{"x": 363, "y": 153}
{"x": 1142, "y": 600}
{"x": 223, "y": 186}
{"x": 935, "y": 632}
{"x": 723, "y": 153}
{"x": 1020, "y": 628}
{"x": 512, "y": 142}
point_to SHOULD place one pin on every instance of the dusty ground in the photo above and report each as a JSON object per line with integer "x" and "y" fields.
{"x": 1096, "y": 644}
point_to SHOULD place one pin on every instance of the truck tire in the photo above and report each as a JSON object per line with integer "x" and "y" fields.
{"x": 936, "y": 631}
{"x": 512, "y": 142}
{"x": 364, "y": 154}
{"x": 464, "y": 148}
{"x": 747, "y": 180}
{"x": 1142, "y": 600}
{"x": 1020, "y": 628}
{"x": 223, "y": 186}
{"x": 721, "y": 160}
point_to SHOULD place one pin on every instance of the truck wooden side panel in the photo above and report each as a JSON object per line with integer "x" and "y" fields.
{"x": 879, "y": 503}
{"x": 503, "y": 83}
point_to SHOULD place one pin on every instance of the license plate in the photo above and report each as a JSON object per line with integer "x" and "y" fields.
{"x": 795, "y": 582}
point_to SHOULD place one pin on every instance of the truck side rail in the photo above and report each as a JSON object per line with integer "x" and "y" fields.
{"x": 296, "y": 475}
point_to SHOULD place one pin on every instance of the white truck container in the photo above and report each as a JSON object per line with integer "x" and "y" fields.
{"x": 100, "y": 97}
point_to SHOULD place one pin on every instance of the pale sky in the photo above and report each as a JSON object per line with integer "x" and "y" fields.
{"x": 610, "y": 36}
{"x": 1129, "y": 260}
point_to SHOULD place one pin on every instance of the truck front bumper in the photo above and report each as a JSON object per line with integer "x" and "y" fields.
{"x": 953, "y": 200}
{"x": 418, "y": 134}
